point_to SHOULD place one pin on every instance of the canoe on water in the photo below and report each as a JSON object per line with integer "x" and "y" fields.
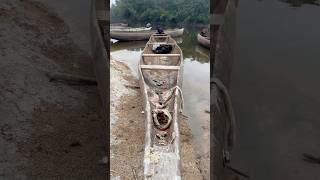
{"x": 118, "y": 25}
{"x": 128, "y": 29}
{"x": 204, "y": 41}
{"x": 160, "y": 77}
{"x": 127, "y": 34}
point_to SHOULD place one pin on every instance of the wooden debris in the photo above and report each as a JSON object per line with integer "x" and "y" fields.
{"x": 185, "y": 116}
{"x": 132, "y": 86}
{"x": 238, "y": 172}
{"x": 70, "y": 79}
{"x": 173, "y": 137}
{"x": 310, "y": 158}
{"x": 134, "y": 173}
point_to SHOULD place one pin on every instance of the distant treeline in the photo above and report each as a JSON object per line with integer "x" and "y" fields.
{"x": 163, "y": 12}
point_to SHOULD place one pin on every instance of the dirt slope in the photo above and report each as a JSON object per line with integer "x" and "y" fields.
{"x": 48, "y": 130}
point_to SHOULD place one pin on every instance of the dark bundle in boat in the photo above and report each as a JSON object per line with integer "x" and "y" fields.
{"x": 205, "y": 33}
{"x": 160, "y": 30}
{"x": 163, "y": 49}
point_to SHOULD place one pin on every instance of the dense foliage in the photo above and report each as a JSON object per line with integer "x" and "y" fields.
{"x": 165, "y": 12}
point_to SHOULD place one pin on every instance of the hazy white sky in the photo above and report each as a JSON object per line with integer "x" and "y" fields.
{"x": 112, "y": 2}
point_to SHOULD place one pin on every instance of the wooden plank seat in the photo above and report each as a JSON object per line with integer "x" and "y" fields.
{"x": 162, "y": 35}
{"x": 155, "y": 37}
{"x": 160, "y": 67}
{"x": 161, "y": 43}
{"x": 160, "y": 55}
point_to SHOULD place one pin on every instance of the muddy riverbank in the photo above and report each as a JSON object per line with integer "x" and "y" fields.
{"x": 48, "y": 130}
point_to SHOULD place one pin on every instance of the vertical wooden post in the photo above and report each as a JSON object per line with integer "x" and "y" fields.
{"x": 102, "y": 10}
{"x": 222, "y": 29}
{"x": 99, "y": 24}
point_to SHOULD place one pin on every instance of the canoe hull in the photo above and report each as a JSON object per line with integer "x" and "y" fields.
{"x": 161, "y": 162}
{"x": 142, "y": 35}
{"x": 203, "y": 41}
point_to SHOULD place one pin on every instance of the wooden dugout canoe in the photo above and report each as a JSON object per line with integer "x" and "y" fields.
{"x": 118, "y": 25}
{"x": 141, "y": 35}
{"x": 204, "y": 41}
{"x": 130, "y": 30}
{"x": 160, "y": 78}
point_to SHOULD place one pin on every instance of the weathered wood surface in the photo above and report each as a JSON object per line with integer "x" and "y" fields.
{"x": 99, "y": 52}
{"x": 100, "y": 49}
{"x": 222, "y": 47}
{"x": 161, "y": 43}
{"x": 161, "y": 161}
{"x": 203, "y": 41}
{"x": 160, "y": 67}
{"x": 223, "y": 55}
{"x": 143, "y": 35}
{"x": 161, "y": 55}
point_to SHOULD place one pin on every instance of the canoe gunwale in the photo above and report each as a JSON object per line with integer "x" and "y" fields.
{"x": 160, "y": 67}
{"x": 203, "y": 41}
{"x": 140, "y": 36}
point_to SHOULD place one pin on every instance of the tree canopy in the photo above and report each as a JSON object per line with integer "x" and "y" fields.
{"x": 165, "y": 12}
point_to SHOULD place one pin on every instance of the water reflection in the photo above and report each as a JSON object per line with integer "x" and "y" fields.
{"x": 275, "y": 90}
{"x": 130, "y": 45}
{"x": 195, "y": 80}
{"x": 191, "y": 49}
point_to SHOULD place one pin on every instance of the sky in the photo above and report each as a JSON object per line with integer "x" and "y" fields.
{"x": 112, "y": 2}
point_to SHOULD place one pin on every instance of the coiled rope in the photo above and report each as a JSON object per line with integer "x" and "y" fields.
{"x": 166, "y": 112}
{"x": 163, "y": 108}
{"x": 231, "y": 136}
{"x": 181, "y": 96}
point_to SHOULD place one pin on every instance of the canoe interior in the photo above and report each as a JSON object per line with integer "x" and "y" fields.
{"x": 169, "y": 75}
{"x": 161, "y": 77}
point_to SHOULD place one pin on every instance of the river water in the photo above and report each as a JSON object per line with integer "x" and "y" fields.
{"x": 275, "y": 89}
{"x": 196, "y": 79}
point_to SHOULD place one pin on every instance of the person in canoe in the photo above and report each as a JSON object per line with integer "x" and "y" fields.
{"x": 204, "y": 32}
{"x": 160, "y": 30}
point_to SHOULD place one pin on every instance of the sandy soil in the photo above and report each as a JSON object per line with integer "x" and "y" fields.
{"x": 127, "y": 130}
{"x": 48, "y": 130}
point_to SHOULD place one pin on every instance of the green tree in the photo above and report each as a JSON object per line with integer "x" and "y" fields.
{"x": 165, "y": 12}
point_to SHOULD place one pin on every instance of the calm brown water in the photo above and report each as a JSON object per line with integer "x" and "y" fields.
{"x": 195, "y": 79}
{"x": 276, "y": 90}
